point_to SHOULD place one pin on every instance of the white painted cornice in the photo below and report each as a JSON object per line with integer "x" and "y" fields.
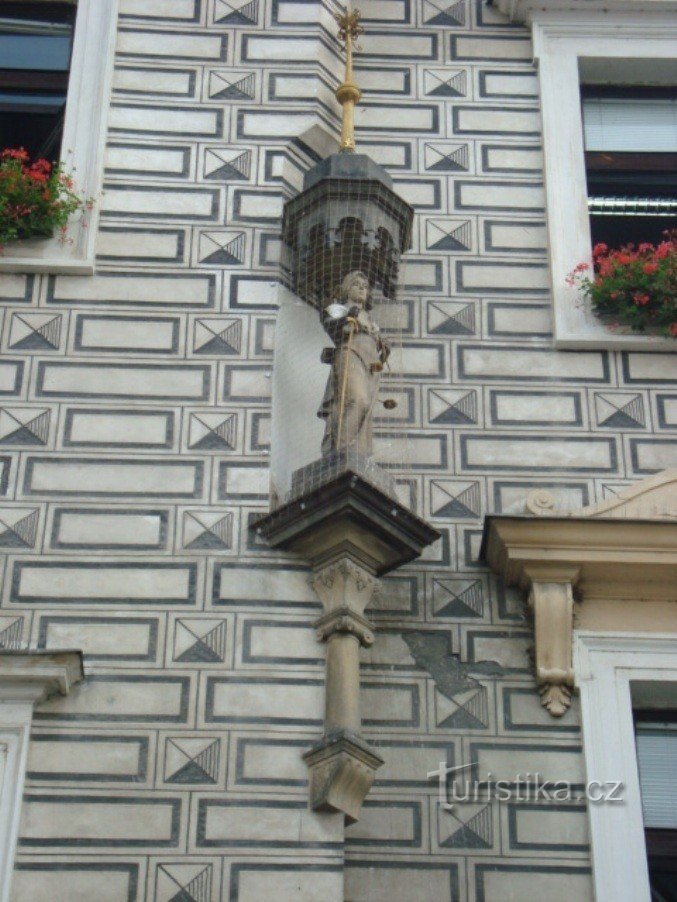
{"x": 38, "y": 675}
{"x": 525, "y": 12}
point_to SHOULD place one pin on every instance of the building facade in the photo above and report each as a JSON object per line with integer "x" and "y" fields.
{"x": 136, "y": 379}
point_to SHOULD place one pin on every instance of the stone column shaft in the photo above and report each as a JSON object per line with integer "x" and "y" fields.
{"x": 342, "y": 766}
{"x": 342, "y": 691}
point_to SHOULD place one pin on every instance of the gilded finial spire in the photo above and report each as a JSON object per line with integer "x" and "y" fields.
{"x": 347, "y": 93}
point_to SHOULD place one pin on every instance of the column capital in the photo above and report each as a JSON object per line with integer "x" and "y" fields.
{"x": 346, "y": 621}
{"x": 344, "y": 584}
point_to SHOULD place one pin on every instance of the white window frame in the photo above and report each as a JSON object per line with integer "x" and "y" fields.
{"x": 604, "y": 665}
{"x": 83, "y": 145}
{"x": 15, "y": 726}
{"x": 560, "y": 39}
{"x": 26, "y": 678}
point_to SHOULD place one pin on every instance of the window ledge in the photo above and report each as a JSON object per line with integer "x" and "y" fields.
{"x": 577, "y": 328}
{"x": 522, "y": 11}
{"x": 46, "y": 255}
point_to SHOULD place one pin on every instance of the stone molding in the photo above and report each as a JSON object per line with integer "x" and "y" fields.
{"x": 344, "y": 621}
{"x": 348, "y": 518}
{"x": 654, "y": 498}
{"x": 523, "y": 11}
{"x": 342, "y": 765}
{"x": 552, "y": 604}
{"x": 607, "y": 559}
{"x": 350, "y": 533}
{"x": 38, "y": 675}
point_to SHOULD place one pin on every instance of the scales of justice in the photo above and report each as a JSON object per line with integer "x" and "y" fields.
{"x": 337, "y": 509}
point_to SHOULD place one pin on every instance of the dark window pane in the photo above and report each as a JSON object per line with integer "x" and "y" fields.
{"x": 619, "y": 230}
{"x": 39, "y": 134}
{"x": 31, "y": 103}
{"x": 35, "y": 49}
{"x": 661, "y": 848}
{"x": 631, "y": 164}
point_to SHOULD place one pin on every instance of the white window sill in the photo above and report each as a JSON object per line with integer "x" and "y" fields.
{"x": 49, "y": 255}
{"x": 576, "y": 327}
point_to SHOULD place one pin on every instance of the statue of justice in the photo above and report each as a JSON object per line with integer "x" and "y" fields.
{"x": 357, "y": 361}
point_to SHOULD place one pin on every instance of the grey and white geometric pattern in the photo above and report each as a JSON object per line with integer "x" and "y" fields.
{"x": 191, "y": 760}
{"x": 135, "y": 449}
{"x": 207, "y": 530}
{"x": 176, "y": 882}
{"x": 18, "y": 527}
{"x": 199, "y": 641}
{"x": 35, "y": 331}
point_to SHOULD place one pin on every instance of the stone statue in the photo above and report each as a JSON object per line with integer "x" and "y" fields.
{"x": 357, "y": 360}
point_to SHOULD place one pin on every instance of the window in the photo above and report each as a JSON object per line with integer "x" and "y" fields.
{"x": 629, "y": 49}
{"x": 616, "y": 673}
{"x": 49, "y": 108}
{"x": 656, "y": 741}
{"x": 630, "y": 137}
{"x": 36, "y": 40}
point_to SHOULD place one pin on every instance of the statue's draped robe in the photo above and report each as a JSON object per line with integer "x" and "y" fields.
{"x": 352, "y": 388}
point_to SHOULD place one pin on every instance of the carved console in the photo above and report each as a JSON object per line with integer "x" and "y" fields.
{"x": 349, "y": 532}
{"x": 551, "y": 602}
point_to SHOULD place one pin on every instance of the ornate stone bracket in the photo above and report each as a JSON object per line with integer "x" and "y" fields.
{"x": 350, "y": 532}
{"x": 342, "y": 766}
{"x": 551, "y": 602}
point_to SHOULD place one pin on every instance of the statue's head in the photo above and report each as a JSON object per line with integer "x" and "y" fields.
{"x": 355, "y": 290}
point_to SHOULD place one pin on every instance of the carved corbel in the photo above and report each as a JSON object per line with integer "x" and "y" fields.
{"x": 342, "y": 766}
{"x": 344, "y": 583}
{"x": 551, "y": 601}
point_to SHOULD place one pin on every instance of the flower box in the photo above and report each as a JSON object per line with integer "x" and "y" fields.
{"x": 632, "y": 288}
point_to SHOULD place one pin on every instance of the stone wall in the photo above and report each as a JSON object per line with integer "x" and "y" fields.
{"x": 135, "y": 421}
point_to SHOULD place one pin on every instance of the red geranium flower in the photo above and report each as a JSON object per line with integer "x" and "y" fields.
{"x": 633, "y": 287}
{"x": 36, "y": 197}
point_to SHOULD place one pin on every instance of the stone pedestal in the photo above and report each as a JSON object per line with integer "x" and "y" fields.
{"x": 326, "y": 469}
{"x": 348, "y": 517}
{"x": 350, "y": 532}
